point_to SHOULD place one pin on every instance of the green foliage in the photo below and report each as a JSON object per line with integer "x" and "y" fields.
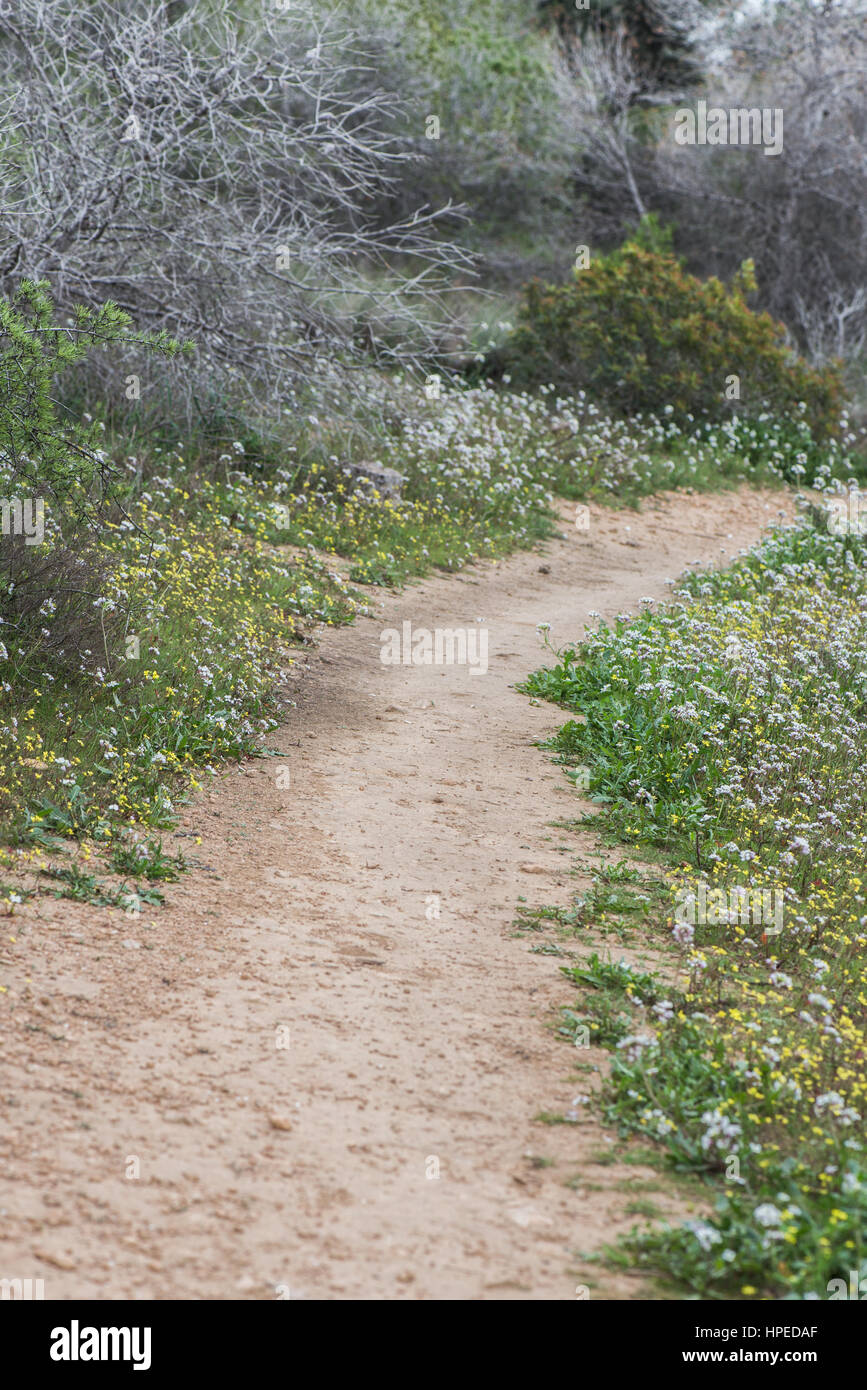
{"x": 58, "y": 471}
{"x": 75, "y": 883}
{"x": 138, "y": 858}
{"x": 729, "y": 729}
{"x": 40, "y": 455}
{"x": 635, "y": 330}
{"x": 654, "y": 236}
{"x": 485, "y": 69}
{"x": 607, "y": 1012}
{"x": 483, "y": 53}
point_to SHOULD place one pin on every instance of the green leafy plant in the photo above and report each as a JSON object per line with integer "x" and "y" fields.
{"x": 140, "y": 858}
{"x": 635, "y": 330}
{"x": 39, "y": 453}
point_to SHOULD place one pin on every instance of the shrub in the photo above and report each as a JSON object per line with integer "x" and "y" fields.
{"x": 55, "y": 479}
{"x": 636, "y": 330}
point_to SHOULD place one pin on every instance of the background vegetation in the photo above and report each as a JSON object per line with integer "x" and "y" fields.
{"x": 252, "y": 254}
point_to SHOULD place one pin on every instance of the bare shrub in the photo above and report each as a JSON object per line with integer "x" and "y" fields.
{"x": 209, "y": 169}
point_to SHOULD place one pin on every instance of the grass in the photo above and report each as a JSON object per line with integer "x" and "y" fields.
{"x": 612, "y": 989}
{"x": 641, "y": 1207}
{"x": 726, "y": 733}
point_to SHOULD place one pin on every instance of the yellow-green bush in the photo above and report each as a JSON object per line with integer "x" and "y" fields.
{"x": 635, "y": 330}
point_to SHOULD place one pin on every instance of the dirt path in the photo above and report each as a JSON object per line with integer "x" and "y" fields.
{"x": 417, "y": 1042}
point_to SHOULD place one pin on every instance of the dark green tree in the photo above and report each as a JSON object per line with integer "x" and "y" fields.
{"x": 658, "y": 36}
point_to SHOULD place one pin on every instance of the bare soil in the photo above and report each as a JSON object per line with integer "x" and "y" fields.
{"x": 295, "y": 1046}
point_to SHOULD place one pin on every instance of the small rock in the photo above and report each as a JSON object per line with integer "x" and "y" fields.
{"x": 59, "y": 1261}
{"x": 369, "y": 476}
{"x": 132, "y": 945}
{"x": 279, "y": 1121}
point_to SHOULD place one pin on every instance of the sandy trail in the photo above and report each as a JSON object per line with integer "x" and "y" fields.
{"x": 417, "y": 1043}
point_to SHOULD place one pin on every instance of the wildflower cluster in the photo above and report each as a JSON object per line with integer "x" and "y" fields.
{"x": 483, "y": 465}
{"x": 730, "y": 728}
{"x": 195, "y": 619}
